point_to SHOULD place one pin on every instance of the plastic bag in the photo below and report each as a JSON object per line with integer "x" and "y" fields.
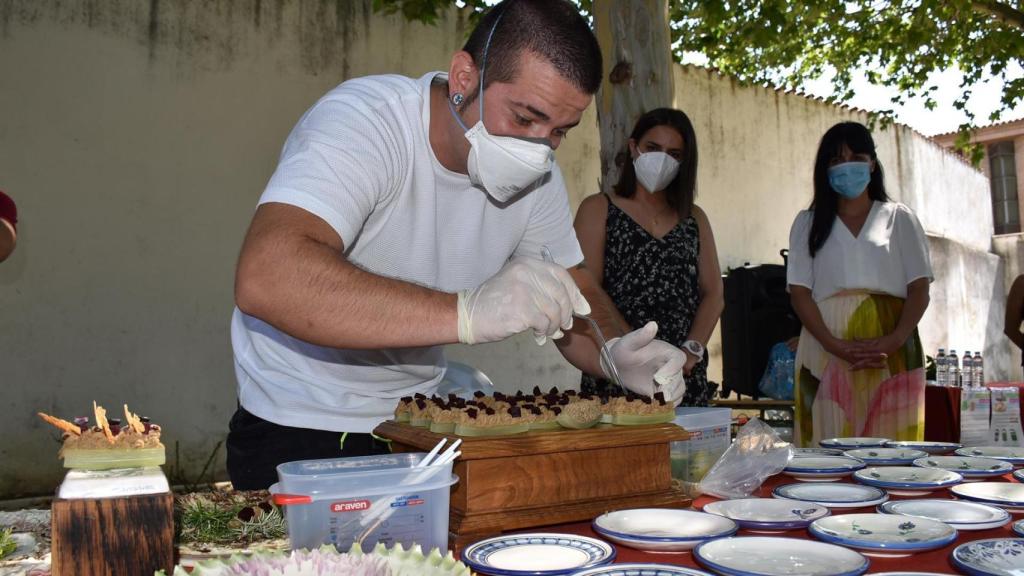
{"x": 756, "y": 454}
{"x": 777, "y": 380}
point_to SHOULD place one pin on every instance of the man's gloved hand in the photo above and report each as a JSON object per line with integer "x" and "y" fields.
{"x": 526, "y": 294}
{"x": 643, "y": 362}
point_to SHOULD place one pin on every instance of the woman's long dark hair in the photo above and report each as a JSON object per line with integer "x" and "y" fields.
{"x": 682, "y": 190}
{"x": 825, "y": 206}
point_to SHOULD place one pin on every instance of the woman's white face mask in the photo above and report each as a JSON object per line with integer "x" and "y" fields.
{"x": 655, "y": 170}
{"x": 503, "y": 166}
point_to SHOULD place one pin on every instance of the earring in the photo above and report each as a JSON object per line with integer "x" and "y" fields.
{"x": 458, "y": 99}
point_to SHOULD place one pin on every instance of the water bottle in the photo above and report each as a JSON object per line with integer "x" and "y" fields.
{"x": 967, "y": 373}
{"x": 953, "y": 368}
{"x": 978, "y": 365}
{"x": 941, "y": 368}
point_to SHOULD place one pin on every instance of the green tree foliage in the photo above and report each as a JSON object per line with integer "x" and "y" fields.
{"x": 899, "y": 42}
{"x": 786, "y": 43}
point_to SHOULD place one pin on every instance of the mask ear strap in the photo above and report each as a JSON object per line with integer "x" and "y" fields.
{"x": 483, "y": 64}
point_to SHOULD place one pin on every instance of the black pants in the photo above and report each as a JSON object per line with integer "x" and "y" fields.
{"x": 256, "y": 447}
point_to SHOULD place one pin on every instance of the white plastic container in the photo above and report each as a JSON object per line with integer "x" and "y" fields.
{"x": 709, "y": 438}
{"x": 369, "y": 499}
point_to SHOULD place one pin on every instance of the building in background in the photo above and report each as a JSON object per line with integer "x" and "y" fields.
{"x": 1003, "y": 164}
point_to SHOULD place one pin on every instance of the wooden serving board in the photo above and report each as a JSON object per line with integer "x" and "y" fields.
{"x": 550, "y": 477}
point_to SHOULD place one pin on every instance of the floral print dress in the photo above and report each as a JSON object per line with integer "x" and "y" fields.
{"x": 651, "y": 278}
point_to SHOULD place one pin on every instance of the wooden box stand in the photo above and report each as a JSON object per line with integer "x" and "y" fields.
{"x": 542, "y": 478}
{"x": 113, "y": 536}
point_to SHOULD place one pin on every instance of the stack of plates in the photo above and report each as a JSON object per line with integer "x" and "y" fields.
{"x": 907, "y": 480}
{"x": 970, "y": 467}
{"x": 886, "y": 456}
{"x": 662, "y": 529}
{"x": 1006, "y": 495}
{"x": 959, "y": 514}
{"x": 1010, "y": 454}
{"x": 1018, "y": 475}
{"x": 884, "y": 534}
{"x": 833, "y": 495}
{"x": 992, "y": 557}
{"x": 801, "y": 452}
{"x": 641, "y": 570}
{"x": 537, "y": 554}
{"x": 767, "y": 556}
{"x": 852, "y": 443}
{"x": 925, "y": 446}
{"x": 768, "y": 514}
{"x": 821, "y": 468}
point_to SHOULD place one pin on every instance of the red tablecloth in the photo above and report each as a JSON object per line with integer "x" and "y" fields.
{"x": 942, "y": 411}
{"x": 934, "y": 561}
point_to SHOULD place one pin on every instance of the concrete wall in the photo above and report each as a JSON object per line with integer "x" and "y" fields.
{"x": 136, "y": 143}
{"x": 137, "y": 136}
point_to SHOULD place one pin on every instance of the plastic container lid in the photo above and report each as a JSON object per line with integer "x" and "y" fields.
{"x": 362, "y": 476}
{"x": 699, "y": 417}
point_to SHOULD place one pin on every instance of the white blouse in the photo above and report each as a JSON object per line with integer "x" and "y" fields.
{"x": 890, "y": 252}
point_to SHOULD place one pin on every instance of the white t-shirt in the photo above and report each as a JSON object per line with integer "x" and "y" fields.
{"x": 890, "y": 252}
{"x": 360, "y": 159}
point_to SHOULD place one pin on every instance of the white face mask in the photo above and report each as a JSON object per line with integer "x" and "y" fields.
{"x": 503, "y": 166}
{"x": 655, "y": 170}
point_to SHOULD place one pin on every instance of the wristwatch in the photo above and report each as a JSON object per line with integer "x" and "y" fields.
{"x": 695, "y": 348}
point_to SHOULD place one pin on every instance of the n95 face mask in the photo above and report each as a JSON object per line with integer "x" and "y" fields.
{"x": 655, "y": 170}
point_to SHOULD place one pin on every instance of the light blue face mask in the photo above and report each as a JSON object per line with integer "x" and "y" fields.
{"x": 850, "y": 179}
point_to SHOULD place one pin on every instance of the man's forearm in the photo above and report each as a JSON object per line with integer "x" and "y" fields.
{"x": 307, "y": 290}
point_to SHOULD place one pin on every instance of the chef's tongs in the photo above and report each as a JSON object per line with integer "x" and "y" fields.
{"x": 601, "y": 342}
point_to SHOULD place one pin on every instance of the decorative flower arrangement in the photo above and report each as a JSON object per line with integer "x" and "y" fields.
{"x": 327, "y": 560}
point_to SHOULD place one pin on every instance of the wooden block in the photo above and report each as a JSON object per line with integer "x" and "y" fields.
{"x": 132, "y": 535}
{"x": 551, "y": 477}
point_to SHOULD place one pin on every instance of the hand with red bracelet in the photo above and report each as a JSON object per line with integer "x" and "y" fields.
{"x": 8, "y": 225}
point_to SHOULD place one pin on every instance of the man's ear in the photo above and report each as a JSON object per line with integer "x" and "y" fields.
{"x": 463, "y": 75}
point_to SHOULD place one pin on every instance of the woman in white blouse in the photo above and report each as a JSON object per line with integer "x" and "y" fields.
{"x": 858, "y": 276}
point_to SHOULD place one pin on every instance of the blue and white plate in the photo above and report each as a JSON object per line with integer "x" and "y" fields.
{"x": 960, "y": 514}
{"x": 886, "y": 456}
{"x": 662, "y": 529}
{"x": 1018, "y": 475}
{"x": 833, "y": 495}
{"x": 907, "y": 480}
{"x": 821, "y": 468}
{"x": 970, "y": 467}
{"x": 768, "y": 514}
{"x": 925, "y": 446}
{"x": 1011, "y": 454}
{"x": 1018, "y": 527}
{"x": 853, "y": 442}
{"x": 641, "y": 570}
{"x": 768, "y": 556}
{"x": 907, "y": 574}
{"x": 802, "y": 452}
{"x": 886, "y": 535}
{"x": 1007, "y": 495}
{"x": 537, "y": 554}
{"x": 992, "y": 557}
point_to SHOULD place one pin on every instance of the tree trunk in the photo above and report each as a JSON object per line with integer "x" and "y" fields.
{"x": 636, "y": 44}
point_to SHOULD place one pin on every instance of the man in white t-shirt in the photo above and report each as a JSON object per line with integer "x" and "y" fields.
{"x": 406, "y": 214}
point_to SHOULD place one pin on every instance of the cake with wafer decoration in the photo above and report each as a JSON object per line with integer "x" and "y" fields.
{"x": 109, "y": 443}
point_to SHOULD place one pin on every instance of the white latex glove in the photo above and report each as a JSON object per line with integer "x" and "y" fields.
{"x": 526, "y": 294}
{"x": 643, "y": 362}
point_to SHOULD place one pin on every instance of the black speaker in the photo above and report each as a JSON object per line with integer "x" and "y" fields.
{"x": 757, "y": 316}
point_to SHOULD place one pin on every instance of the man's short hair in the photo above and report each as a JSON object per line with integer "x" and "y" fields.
{"x": 553, "y": 29}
